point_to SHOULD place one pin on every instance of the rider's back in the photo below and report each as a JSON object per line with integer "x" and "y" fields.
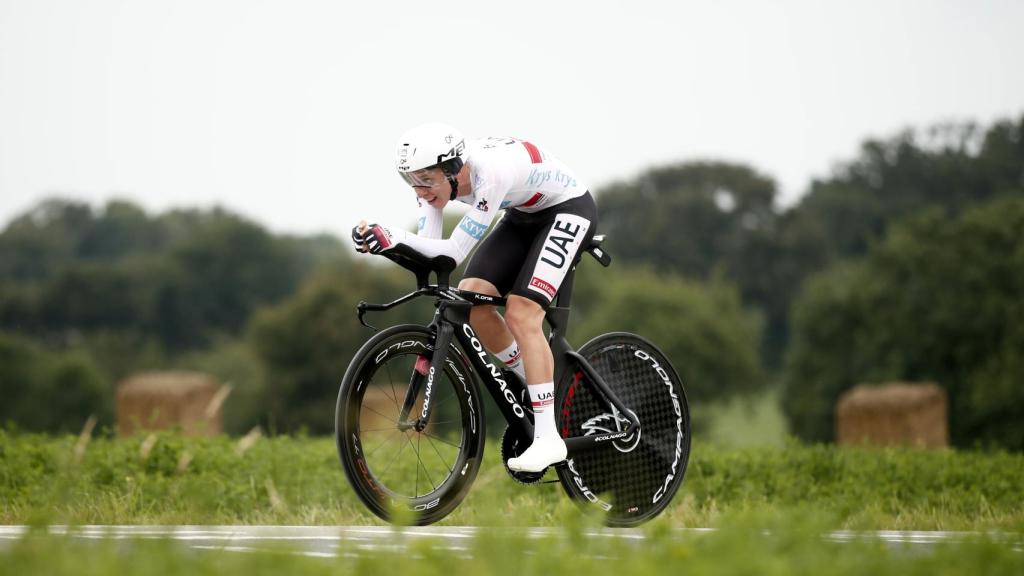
{"x": 518, "y": 174}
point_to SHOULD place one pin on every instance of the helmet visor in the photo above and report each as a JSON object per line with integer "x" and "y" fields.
{"x": 427, "y": 177}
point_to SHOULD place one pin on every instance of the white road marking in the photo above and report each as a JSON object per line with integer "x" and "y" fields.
{"x": 327, "y": 541}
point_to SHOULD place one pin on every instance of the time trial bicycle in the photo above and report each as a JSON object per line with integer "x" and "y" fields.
{"x": 409, "y": 421}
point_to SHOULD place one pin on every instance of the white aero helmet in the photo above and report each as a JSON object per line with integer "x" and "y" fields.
{"x": 427, "y": 147}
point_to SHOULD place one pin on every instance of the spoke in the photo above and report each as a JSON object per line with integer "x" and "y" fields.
{"x": 443, "y": 461}
{"x": 362, "y": 431}
{"x": 386, "y": 440}
{"x": 394, "y": 393}
{"x": 432, "y": 421}
{"x": 443, "y": 400}
{"x": 419, "y": 458}
{"x": 391, "y": 380}
{"x": 419, "y": 462}
{"x": 384, "y": 416}
{"x": 395, "y": 458}
{"x": 442, "y": 440}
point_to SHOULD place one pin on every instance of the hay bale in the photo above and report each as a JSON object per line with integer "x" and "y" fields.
{"x": 893, "y": 414}
{"x": 163, "y": 400}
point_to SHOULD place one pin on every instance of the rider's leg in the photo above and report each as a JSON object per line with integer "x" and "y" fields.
{"x": 525, "y": 319}
{"x": 492, "y": 329}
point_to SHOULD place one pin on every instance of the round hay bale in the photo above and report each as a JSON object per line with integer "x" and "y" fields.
{"x": 893, "y": 414}
{"x": 164, "y": 400}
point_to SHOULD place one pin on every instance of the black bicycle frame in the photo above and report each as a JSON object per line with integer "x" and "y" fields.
{"x": 452, "y": 321}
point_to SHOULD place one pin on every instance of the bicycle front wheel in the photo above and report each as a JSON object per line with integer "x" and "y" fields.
{"x": 390, "y": 463}
{"x": 632, "y": 478}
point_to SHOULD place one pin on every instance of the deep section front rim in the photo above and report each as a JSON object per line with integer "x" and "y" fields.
{"x": 390, "y": 462}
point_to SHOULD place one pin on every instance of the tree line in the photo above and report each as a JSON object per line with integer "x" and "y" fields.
{"x": 903, "y": 263}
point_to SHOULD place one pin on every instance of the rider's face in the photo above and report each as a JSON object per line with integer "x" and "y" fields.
{"x": 435, "y": 189}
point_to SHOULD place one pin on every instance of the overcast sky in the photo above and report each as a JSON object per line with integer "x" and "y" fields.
{"x": 288, "y": 111}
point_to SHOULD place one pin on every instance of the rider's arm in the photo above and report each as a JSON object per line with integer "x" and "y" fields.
{"x": 430, "y": 222}
{"x": 489, "y": 192}
{"x": 490, "y": 186}
{"x": 457, "y": 246}
{"x": 489, "y": 189}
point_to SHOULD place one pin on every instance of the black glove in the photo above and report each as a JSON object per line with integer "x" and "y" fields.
{"x": 357, "y": 239}
{"x": 377, "y": 238}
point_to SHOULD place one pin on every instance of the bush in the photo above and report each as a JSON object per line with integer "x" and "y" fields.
{"x": 49, "y": 392}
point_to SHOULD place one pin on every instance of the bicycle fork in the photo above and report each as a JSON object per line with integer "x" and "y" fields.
{"x": 424, "y": 373}
{"x": 452, "y": 323}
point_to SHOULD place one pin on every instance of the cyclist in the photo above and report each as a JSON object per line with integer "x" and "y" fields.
{"x": 549, "y": 216}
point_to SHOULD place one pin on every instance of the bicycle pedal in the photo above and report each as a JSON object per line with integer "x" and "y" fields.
{"x": 528, "y": 478}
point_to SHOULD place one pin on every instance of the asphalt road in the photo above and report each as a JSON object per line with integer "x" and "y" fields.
{"x": 330, "y": 541}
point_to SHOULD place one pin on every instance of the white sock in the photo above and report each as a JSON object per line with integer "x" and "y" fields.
{"x": 542, "y": 396}
{"x": 513, "y": 360}
{"x": 548, "y": 447}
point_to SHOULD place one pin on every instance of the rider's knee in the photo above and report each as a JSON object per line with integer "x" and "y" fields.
{"x": 482, "y": 315}
{"x": 478, "y": 285}
{"x": 523, "y": 315}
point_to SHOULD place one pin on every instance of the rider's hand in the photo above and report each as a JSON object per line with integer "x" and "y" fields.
{"x": 377, "y": 238}
{"x": 357, "y": 236}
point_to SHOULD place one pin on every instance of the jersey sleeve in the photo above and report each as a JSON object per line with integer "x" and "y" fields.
{"x": 430, "y": 221}
{"x": 470, "y": 230}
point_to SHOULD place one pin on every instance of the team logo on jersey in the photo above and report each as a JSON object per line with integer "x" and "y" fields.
{"x": 482, "y": 205}
{"x": 564, "y": 235}
{"x": 472, "y": 227}
{"x": 542, "y": 286}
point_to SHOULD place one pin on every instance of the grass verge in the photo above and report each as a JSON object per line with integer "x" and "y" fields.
{"x": 170, "y": 479}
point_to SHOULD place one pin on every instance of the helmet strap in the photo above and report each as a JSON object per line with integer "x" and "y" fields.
{"x": 452, "y": 178}
{"x": 455, "y": 185}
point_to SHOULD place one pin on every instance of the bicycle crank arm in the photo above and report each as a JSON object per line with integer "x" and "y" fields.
{"x": 579, "y": 444}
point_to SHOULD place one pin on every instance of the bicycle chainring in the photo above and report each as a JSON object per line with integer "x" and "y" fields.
{"x": 514, "y": 444}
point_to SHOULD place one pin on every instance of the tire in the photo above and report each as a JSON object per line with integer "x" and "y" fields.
{"x": 427, "y": 472}
{"x": 634, "y": 478}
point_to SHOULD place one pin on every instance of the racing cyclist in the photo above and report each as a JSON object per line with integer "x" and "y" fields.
{"x": 549, "y": 217}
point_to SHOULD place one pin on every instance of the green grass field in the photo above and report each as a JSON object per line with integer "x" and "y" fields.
{"x": 771, "y": 504}
{"x": 170, "y": 479}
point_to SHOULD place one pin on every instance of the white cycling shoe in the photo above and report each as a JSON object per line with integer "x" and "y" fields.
{"x": 540, "y": 455}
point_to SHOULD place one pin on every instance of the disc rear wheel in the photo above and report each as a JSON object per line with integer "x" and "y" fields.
{"x": 635, "y": 477}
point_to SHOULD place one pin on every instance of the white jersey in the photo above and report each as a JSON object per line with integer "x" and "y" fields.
{"x": 505, "y": 174}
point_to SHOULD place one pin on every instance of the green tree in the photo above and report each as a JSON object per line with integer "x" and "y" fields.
{"x": 938, "y": 300}
{"x": 44, "y": 238}
{"x": 691, "y": 218}
{"x": 307, "y": 341}
{"x": 50, "y": 392}
{"x": 712, "y": 341}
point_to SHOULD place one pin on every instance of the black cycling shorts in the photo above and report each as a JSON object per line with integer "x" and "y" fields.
{"x": 529, "y": 254}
